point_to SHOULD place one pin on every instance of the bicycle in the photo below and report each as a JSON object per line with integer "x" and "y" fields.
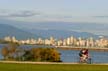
{"x": 87, "y": 60}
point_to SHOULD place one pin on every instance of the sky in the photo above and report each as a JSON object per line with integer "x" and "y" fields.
{"x": 90, "y": 11}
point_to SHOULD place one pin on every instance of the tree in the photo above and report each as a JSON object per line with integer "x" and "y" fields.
{"x": 12, "y": 50}
{"x": 36, "y": 53}
{"x": 9, "y": 51}
{"x": 54, "y": 55}
{"x": 27, "y": 56}
{"x": 46, "y": 54}
{"x": 33, "y": 54}
{"x": 5, "y": 52}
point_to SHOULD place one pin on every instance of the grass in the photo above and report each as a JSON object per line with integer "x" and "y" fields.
{"x": 52, "y": 67}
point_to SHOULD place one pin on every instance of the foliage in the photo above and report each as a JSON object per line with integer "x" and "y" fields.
{"x": 9, "y": 51}
{"x": 46, "y": 54}
{"x": 3, "y": 41}
{"x": 5, "y": 52}
{"x": 13, "y": 52}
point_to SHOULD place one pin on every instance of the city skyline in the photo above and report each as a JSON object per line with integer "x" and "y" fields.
{"x": 101, "y": 42}
{"x": 88, "y": 11}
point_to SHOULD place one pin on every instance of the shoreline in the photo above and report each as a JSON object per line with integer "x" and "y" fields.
{"x": 79, "y": 48}
{"x": 75, "y": 48}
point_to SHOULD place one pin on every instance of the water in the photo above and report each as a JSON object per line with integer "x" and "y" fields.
{"x": 73, "y": 55}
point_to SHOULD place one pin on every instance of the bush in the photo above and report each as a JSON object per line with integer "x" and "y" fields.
{"x": 34, "y": 54}
{"x": 46, "y": 54}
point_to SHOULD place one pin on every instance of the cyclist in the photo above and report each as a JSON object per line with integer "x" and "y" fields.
{"x": 84, "y": 55}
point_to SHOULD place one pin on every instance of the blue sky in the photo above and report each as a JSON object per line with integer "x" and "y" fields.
{"x": 95, "y": 11}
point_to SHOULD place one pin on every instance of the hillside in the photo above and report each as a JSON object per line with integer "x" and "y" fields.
{"x": 95, "y": 28}
{"x": 61, "y": 33}
{"x": 7, "y": 30}
{"x": 60, "y": 29}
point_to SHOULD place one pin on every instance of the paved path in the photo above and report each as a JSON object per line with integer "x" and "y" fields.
{"x": 28, "y": 62}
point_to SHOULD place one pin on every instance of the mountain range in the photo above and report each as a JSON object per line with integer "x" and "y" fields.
{"x": 24, "y": 30}
{"x": 62, "y": 33}
{"x": 9, "y": 30}
{"x": 95, "y": 28}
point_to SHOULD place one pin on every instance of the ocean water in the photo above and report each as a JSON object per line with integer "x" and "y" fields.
{"x": 72, "y": 55}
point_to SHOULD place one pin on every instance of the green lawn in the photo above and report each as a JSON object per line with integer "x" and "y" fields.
{"x": 52, "y": 67}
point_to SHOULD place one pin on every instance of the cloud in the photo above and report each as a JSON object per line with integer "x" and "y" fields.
{"x": 24, "y": 14}
{"x": 100, "y": 16}
{"x": 57, "y": 16}
{"x": 19, "y": 14}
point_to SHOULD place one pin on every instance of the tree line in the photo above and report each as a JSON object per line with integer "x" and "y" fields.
{"x": 14, "y": 52}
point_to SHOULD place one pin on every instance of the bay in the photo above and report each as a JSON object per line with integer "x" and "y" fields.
{"x": 71, "y": 55}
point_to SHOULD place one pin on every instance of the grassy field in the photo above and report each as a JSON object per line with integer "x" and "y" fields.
{"x": 52, "y": 67}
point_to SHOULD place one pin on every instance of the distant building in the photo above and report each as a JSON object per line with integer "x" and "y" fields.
{"x": 70, "y": 41}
